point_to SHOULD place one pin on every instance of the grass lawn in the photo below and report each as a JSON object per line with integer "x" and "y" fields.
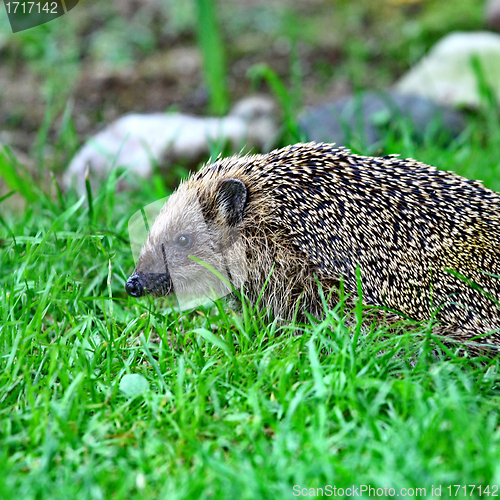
{"x": 105, "y": 396}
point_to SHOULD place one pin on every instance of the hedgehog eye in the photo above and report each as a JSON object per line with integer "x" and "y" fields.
{"x": 183, "y": 240}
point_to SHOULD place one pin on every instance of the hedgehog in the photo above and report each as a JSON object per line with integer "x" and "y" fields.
{"x": 304, "y": 222}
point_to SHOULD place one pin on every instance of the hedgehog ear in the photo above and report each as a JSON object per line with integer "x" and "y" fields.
{"x": 231, "y": 199}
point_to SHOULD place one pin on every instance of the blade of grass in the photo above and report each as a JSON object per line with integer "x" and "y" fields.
{"x": 212, "y": 49}
{"x": 15, "y": 175}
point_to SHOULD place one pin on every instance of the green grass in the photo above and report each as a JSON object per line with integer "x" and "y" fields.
{"x": 224, "y": 405}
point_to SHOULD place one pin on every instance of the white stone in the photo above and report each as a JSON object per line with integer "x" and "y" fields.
{"x": 136, "y": 142}
{"x": 446, "y": 74}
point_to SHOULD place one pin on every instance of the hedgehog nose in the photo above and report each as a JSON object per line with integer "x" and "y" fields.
{"x": 134, "y": 287}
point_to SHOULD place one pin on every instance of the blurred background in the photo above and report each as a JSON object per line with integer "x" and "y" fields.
{"x": 64, "y": 81}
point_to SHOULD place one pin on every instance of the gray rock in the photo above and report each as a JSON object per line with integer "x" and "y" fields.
{"x": 493, "y": 14}
{"x": 447, "y": 74}
{"x": 365, "y": 118}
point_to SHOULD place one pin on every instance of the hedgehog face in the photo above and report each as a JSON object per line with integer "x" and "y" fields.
{"x": 189, "y": 255}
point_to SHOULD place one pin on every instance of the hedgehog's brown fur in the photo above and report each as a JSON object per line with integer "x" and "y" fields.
{"x": 314, "y": 213}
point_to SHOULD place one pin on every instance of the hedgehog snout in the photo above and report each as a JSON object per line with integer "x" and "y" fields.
{"x": 140, "y": 284}
{"x": 134, "y": 286}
